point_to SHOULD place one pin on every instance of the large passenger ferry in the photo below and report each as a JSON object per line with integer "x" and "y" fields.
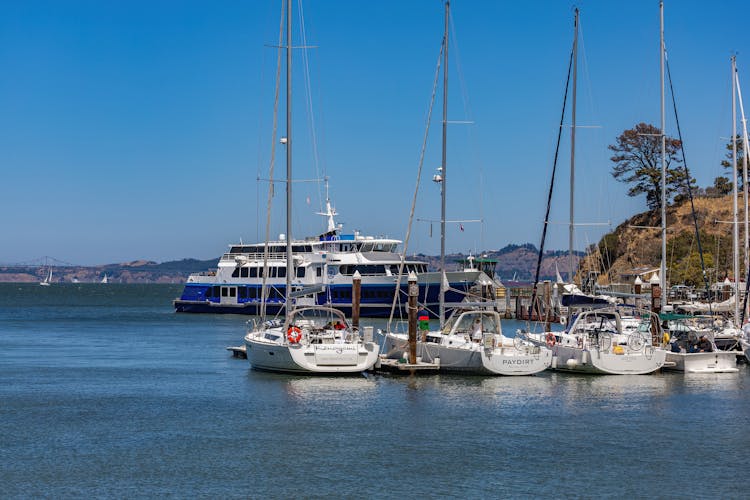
{"x": 324, "y": 266}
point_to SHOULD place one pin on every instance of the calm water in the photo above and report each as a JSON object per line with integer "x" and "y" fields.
{"x": 105, "y": 392}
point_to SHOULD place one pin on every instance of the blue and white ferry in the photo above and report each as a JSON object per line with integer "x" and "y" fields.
{"x": 323, "y": 269}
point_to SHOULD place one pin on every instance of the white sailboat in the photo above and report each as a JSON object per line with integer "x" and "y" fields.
{"x": 47, "y": 281}
{"x": 683, "y": 354}
{"x": 600, "y": 339}
{"x": 603, "y": 341}
{"x": 471, "y": 341}
{"x": 105, "y": 279}
{"x": 313, "y": 339}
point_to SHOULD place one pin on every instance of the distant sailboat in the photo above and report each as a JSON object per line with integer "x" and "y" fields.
{"x": 47, "y": 281}
{"x": 105, "y": 279}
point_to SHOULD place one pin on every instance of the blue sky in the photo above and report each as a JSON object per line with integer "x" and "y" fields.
{"x": 138, "y": 129}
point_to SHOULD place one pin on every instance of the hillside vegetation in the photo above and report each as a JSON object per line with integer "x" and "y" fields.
{"x": 636, "y": 244}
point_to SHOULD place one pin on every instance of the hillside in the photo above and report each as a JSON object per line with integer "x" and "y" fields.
{"x": 636, "y": 244}
{"x": 513, "y": 260}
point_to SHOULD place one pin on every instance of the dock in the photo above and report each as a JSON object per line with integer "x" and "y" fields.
{"x": 398, "y": 366}
{"x": 238, "y": 351}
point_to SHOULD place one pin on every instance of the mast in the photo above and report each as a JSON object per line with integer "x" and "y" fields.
{"x": 663, "y": 267}
{"x": 736, "y": 229}
{"x": 288, "y": 154}
{"x": 744, "y": 169}
{"x": 571, "y": 271}
{"x": 444, "y": 164}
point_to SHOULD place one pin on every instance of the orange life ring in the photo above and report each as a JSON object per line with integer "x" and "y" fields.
{"x": 550, "y": 339}
{"x": 294, "y": 334}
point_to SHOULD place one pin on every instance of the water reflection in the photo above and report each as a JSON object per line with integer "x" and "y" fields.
{"x": 320, "y": 389}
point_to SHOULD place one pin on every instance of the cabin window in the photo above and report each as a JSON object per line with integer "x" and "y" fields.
{"x": 243, "y": 292}
{"x": 280, "y": 272}
{"x": 208, "y": 292}
{"x": 217, "y": 291}
{"x": 300, "y": 272}
{"x": 243, "y": 272}
{"x": 233, "y": 291}
{"x": 318, "y": 272}
{"x": 236, "y": 272}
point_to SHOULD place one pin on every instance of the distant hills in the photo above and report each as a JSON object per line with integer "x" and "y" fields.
{"x": 517, "y": 261}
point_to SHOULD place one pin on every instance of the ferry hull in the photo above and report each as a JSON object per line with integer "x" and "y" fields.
{"x": 192, "y": 301}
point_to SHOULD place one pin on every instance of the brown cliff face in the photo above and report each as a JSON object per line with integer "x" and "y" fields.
{"x": 636, "y": 243}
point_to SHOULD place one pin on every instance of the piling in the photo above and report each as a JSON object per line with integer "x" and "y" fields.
{"x": 413, "y": 294}
{"x": 356, "y": 294}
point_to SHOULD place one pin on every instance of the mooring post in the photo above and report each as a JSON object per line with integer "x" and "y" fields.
{"x": 413, "y": 294}
{"x": 356, "y": 293}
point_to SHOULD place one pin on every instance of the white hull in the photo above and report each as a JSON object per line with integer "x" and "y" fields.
{"x": 596, "y": 361}
{"x": 702, "y": 362}
{"x": 311, "y": 358}
{"x": 474, "y": 358}
{"x": 311, "y": 340}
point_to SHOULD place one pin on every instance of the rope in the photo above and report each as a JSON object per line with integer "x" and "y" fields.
{"x": 416, "y": 187}
{"x": 689, "y": 189}
{"x": 273, "y": 163}
{"x": 551, "y": 188}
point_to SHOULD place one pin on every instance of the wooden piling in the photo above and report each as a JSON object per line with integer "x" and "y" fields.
{"x": 413, "y": 294}
{"x": 356, "y": 294}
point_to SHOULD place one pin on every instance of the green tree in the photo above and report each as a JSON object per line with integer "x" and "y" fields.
{"x": 722, "y": 186}
{"x": 727, "y": 162}
{"x": 637, "y": 159}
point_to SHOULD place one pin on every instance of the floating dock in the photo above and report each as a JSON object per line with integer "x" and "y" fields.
{"x": 398, "y": 366}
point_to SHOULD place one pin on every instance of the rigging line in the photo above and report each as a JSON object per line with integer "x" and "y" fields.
{"x": 470, "y": 120}
{"x": 551, "y": 187}
{"x": 277, "y": 90}
{"x": 419, "y": 176}
{"x": 308, "y": 90}
{"x": 687, "y": 179}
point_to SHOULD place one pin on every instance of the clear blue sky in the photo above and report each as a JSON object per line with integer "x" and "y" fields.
{"x": 137, "y": 129}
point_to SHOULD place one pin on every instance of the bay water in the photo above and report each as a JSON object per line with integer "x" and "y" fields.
{"x": 106, "y": 392}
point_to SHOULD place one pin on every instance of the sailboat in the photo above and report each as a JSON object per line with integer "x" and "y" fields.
{"x": 601, "y": 338}
{"x": 471, "y": 341}
{"x": 690, "y": 349}
{"x": 312, "y": 339}
{"x": 47, "y": 281}
{"x": 105, "y": 279}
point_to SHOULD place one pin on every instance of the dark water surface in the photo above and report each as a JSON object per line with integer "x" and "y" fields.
{"x": 105, "y": 392}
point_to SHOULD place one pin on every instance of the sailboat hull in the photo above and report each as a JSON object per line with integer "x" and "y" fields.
{"x": 311, "y": 358}
{"x": 702, "y": 362}
{"x": 596, "y": 361}
{"x": 472, "y": 358}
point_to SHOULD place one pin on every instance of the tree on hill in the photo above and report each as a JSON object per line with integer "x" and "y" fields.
{"x": 637, "y": 159}
{"x": 727, "y": 162}
{"x": 722, "y": 186}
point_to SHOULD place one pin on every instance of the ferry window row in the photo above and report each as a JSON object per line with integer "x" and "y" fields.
{"x": 379, "y": 270}
{"x": 243, "y": 292}
{"x": 257, "y": 272}
{"x": 259, "y": 249}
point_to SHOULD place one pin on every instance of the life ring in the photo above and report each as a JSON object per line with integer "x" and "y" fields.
{"x": 550, "y": 339}
{"x": 294, "y": 334}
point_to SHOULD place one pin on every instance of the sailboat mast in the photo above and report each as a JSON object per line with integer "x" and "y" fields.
{"x": 571, "y": 270}
{"x": 736, "y": 232}
{"x": 663, "y": 267}
{"x": 744, "y": 169}
{"x": 288, "y": 153}
{"x": 444, "y": 165}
